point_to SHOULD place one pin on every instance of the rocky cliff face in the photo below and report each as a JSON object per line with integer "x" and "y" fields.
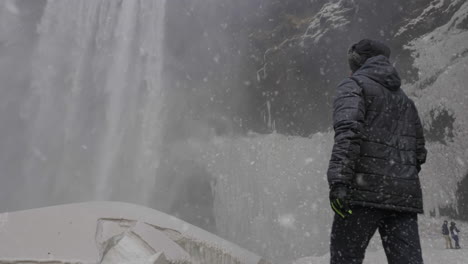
{"x": 441, "y": 58}
{"x": 300, "y": 70}
{"x": 273, "y": 65}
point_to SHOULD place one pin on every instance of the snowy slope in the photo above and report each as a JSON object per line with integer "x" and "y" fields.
{"x": 433, "y": 245}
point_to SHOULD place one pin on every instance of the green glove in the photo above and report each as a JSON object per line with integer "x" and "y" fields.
{"x": 339, "y": 200}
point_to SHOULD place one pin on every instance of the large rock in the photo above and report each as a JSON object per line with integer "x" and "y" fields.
{"x": 110, "y": 232}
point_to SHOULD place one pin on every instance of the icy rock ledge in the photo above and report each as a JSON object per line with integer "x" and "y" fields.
{"x": 110, "y": 233}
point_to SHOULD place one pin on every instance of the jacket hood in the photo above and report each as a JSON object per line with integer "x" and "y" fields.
{"x": 379, "y": 69}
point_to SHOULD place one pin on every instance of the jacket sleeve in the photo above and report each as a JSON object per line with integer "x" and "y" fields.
{"x": 348, "y": 119}
{"x": 421, "y": 152}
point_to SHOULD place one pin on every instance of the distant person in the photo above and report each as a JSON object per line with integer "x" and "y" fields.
{"x": 454, "y": 232}
{"x": 378, "y": 152}
{"x": 446, "y": 234}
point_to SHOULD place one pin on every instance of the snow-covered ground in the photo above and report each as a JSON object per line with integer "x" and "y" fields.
{"x": 433, "y": 245}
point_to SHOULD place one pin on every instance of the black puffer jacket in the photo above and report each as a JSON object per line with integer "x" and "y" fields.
{"x": 379, "y": 143}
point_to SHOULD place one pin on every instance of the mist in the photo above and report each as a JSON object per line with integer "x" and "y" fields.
{"x": 217, "y": 112}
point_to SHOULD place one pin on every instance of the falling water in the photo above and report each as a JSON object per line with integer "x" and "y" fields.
{"x": 96, "y": 103}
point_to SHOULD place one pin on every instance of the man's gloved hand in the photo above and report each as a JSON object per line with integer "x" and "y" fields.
{"x": 339, "y": 200}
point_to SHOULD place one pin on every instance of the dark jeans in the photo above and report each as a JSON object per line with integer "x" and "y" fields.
{"x": 455, "y": 238}
{"x": 398, "y": 231}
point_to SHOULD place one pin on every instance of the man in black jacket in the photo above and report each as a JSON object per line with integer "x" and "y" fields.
{"x": 378, "y": 152}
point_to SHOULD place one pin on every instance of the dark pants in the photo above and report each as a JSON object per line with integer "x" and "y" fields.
{"x": 398, "y": 231}
{"x": 455, "y": 238}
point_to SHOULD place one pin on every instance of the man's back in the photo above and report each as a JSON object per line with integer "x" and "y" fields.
{"x": 389, "y": 135}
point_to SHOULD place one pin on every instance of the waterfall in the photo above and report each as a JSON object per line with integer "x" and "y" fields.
{"x": 96, "y": 102}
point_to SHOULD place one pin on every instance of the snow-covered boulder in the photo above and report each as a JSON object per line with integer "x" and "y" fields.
{"x": 110, "y": 232}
